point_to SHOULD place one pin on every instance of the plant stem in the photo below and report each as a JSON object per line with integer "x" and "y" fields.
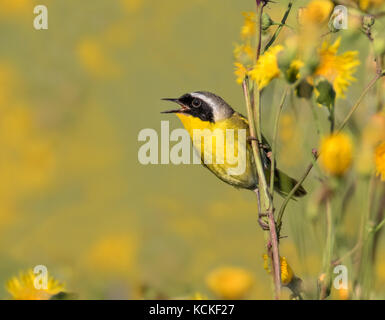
{"x": 365, "y": 266}
{"x": 274, "y": 143}
{"x": 316, "y": 119}
{"x": 259, "y": 28}
{"x": 265, "y": 205}
{"x": 291, "y": 194}
{"x": 358, "y": 102}
{"x": 328, "y": 251}
{"x": 283, "y": 22}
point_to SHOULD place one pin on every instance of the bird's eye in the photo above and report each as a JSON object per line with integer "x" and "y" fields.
{"x": 196, "y": 103}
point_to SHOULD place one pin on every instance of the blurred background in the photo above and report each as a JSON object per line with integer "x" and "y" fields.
{"x": 74, "y": 197}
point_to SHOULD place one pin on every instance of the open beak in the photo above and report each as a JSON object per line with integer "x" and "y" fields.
{"x": 181, "y": 110}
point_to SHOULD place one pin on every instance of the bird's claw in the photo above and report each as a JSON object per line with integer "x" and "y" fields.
{"x": 260, "y": 144}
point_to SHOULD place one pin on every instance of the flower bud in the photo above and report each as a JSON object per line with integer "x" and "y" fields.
{"x": 266, "y": 21}
{"x": 368, "y": 21}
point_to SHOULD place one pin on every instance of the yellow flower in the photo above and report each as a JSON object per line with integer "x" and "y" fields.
{"x": 198, "y": 296}
{"x": 337, "y": 69}
{"x": 249, "y": 27}
{"x": 380, "y": 160}
{"x": 94, "y": 59}
{"x": 287, "y": 273}
{"x": 336, "y": 153}
{"x": 266, "y": 69}
{"x": 316, "y": 12}
{"x": 23, "y": 287}
{"x": 240, "y": 72}
{"x": 244, "y": 56}
{"x": 15, "y": 7}
{"x": 131, "y": 5}
{"x": 373, "y": 134}
{"x": 113, "y": 254}
{"x": 243, "y": 53}
{"x": 230, "y": 282}
{"x": 367, "y": 4}
{"x": 343, "y": 294}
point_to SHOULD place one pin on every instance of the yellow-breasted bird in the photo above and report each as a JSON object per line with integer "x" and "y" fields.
{"x": 205, "y": 110}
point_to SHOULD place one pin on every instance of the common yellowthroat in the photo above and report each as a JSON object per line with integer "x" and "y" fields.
{"x": 204, "y": 110}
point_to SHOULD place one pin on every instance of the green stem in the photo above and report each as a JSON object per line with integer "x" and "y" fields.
{"x": 328, "y": 250}
{"x": 361, "y": 97}
{"x": 316, "y": 119}
{"x": 283, "y": 22}
{"x": 379, "y": 226}
{"x": 332, "y": 118}
{"x": 274, "y": 143}
{"x": 291, "y": 194}
{"x": 366, "y": 238}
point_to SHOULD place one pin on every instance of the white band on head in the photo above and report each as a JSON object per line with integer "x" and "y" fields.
{"x": 221, "y": 110}
{"x": 206, "y": 99}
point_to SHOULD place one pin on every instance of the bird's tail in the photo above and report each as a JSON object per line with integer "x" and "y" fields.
{"x": 283, "y": 184}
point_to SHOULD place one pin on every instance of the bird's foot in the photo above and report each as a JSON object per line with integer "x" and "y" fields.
{"x": 260, "y": 144}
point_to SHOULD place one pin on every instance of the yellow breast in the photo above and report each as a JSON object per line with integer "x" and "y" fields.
{"x": 213, "y": 143}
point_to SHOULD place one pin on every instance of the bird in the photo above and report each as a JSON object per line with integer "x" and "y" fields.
{"x": 205, "y": 110}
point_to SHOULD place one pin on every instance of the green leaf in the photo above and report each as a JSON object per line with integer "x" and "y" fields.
{"x": 327, "y": 95}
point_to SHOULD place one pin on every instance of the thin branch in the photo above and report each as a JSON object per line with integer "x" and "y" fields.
{"x": 361, "y": 97}
{"x": 278, "y": 30}
{"x": 348, "y": 254}
{"x": 266, "y": 206}
{"x": 274, "y": 143}
{"x": 328, "y": 251}
{"x": 275, "y": 252}
{"x": 293, "y": 191}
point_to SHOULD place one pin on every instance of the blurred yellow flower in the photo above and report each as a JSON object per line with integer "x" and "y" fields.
{"x": 290, "y": 136}
{"x": 380, "y": 271}
{"x": 243, "y": 53}
{"x": 287, "y": 124}
{"x": 23, "y": 287}
{"x": 367, "y": 4}
{"x": 373, "y": 134}
{"x": 343, "y": 294}
{"x": 337, "y": 69}
{"x": 287, "y": 273}
{"x": 198, "y": 296}
{"x": 131, "y": 5}
{"x": 240, "y": 71}
{"x": 27, "y": 159}
{"x": 94, "y": 59}
{"x": 336, "y": 153}
{"x": 266, "y": 68}
{"x": 230, "y": 282}
{"x": 316, "y": 12}
{"x": 8, "y": 83}
{"x": 249, "y": 27}
{"x": 15, "y": 7}
{"x": 115, "y": 253}
{"x": 380, "y": 160}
